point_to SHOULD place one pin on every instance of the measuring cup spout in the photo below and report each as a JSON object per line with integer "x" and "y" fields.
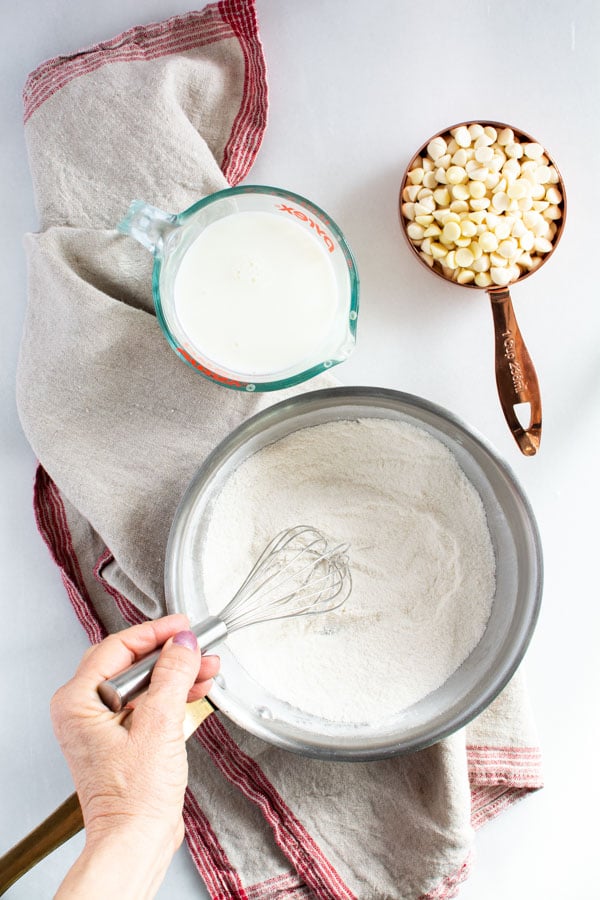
{"x": 516, "y": 378}
{"x": 148, "y": 225}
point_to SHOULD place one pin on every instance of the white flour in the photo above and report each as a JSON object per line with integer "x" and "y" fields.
{"x": 421, "y": 556}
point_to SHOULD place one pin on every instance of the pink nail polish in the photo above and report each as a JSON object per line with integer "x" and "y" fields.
{"x": 186, "y": 639}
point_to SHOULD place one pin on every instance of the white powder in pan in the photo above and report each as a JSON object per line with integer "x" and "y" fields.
{"x": 421, "y": 556}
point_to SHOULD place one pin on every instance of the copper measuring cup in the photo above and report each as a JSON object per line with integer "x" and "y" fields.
{"x": 516, "y": 378}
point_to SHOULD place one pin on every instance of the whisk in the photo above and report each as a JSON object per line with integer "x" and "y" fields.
{"x": 298, "y": 573}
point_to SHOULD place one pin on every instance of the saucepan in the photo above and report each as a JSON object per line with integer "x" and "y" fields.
{"x": 475, "y": 684}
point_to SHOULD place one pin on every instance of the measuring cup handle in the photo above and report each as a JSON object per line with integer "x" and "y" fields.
{"x": 148, "y": 225}
{"x": 516, "y": 378}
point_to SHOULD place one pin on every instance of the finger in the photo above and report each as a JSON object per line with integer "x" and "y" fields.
{"x": 199, "y": 690}
{"x": 120, "y": 650}
{"x": 172, "y": 679}
{"x": 209, "y": 667}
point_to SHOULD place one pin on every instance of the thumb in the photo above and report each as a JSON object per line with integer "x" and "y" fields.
{"x": 172, "y": 679}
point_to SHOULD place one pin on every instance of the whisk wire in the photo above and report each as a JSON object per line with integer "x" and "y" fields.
{"x": 297, "y": 574}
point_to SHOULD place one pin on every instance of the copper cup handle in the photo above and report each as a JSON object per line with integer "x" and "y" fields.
{"x": 516, "y": 379}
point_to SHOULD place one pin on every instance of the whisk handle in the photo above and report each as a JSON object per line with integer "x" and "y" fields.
{"x": 116, "y": 692}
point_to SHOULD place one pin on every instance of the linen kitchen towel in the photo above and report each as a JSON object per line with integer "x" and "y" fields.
{"x": 168, "y": 113}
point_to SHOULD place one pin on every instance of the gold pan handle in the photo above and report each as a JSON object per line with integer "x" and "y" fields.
{"x": 67, "y": 820}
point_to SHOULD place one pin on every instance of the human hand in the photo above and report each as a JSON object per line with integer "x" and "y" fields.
{"x": 130, "y": 769}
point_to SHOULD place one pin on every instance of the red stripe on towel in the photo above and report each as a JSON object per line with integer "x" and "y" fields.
{"x": 177, "y": 34}
{"x": 130, "y": 613}
{"x": 449, "y": 886}
{"x": 281, "y": 887}
{"x": 250, "y": 122}
{"x": 290, "y": 835}
{"x": 220, "y": 877}
{"x": 51, "y": 520}
{"x": 499, "y": 777}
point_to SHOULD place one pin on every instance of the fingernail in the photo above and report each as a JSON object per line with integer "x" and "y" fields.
{"x": 186, "y": 639}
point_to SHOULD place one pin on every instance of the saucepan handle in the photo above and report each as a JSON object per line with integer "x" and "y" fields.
{"x": 67, "y": 820}
{"x": 516, "y": 377}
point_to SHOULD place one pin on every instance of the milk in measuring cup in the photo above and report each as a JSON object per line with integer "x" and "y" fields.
{"x": 256, "y": 293}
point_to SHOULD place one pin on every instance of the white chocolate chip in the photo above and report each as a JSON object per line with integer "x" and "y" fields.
{"x": 553, "y": 195}
{"x": 465, "y": 276}
{"x": 533, "y": 150}
{"x": 542, "y": 245}
{"x": 475, "y": 130}
{"x": 503, "y": 228}
{"x": 498, "y": 261}
{"x": 412, "y": 191}
{"x": 416, "y": 232}
{"x": 506, "y": 136}
{"x": 542, "y": 174}
{"x": 508, "y": 248}
{"x": 415, "y": 176}
{"x": 427, "y": 203}
{"x": 437, "y": 147}
{"x": 468, "y": 228}
{"x": 464, "y": 257}
{"x": 484, "y": 155}
{"x": 525, "y": 203}
{"x": 482, "y": 264}
{"x": 451, "y": 232}
{"x": 460, "y": 158}
{"x": 461, "y": 192}
{"x": 459, "y": 206}
{"x": 526, "y": 241}
{"x": 484, "y": 140}
{"x": 488, "y": 241}
{"x": 518, "y": 229}
{"x": 478, "y": 216}
{"x": 500, "y": 277}
{"x": 441, "y": 196}
{"x": 483, "y": 280}
{"x": 456, "y": 174}
{"x": 514, "y": 151}
{"x": 462, "y": 137}
{"x": 438, "y": 251}
{"x": 500, "y": 201}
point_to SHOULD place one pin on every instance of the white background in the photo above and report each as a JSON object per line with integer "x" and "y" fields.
{"x": 355, "y": 88}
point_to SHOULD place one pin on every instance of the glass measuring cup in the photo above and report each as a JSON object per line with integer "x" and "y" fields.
{"x": 244, "y": 331}
{"x": 516, "y": 378}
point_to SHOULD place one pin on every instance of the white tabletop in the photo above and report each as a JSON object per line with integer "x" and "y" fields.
{"x": 355, "y": 88}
